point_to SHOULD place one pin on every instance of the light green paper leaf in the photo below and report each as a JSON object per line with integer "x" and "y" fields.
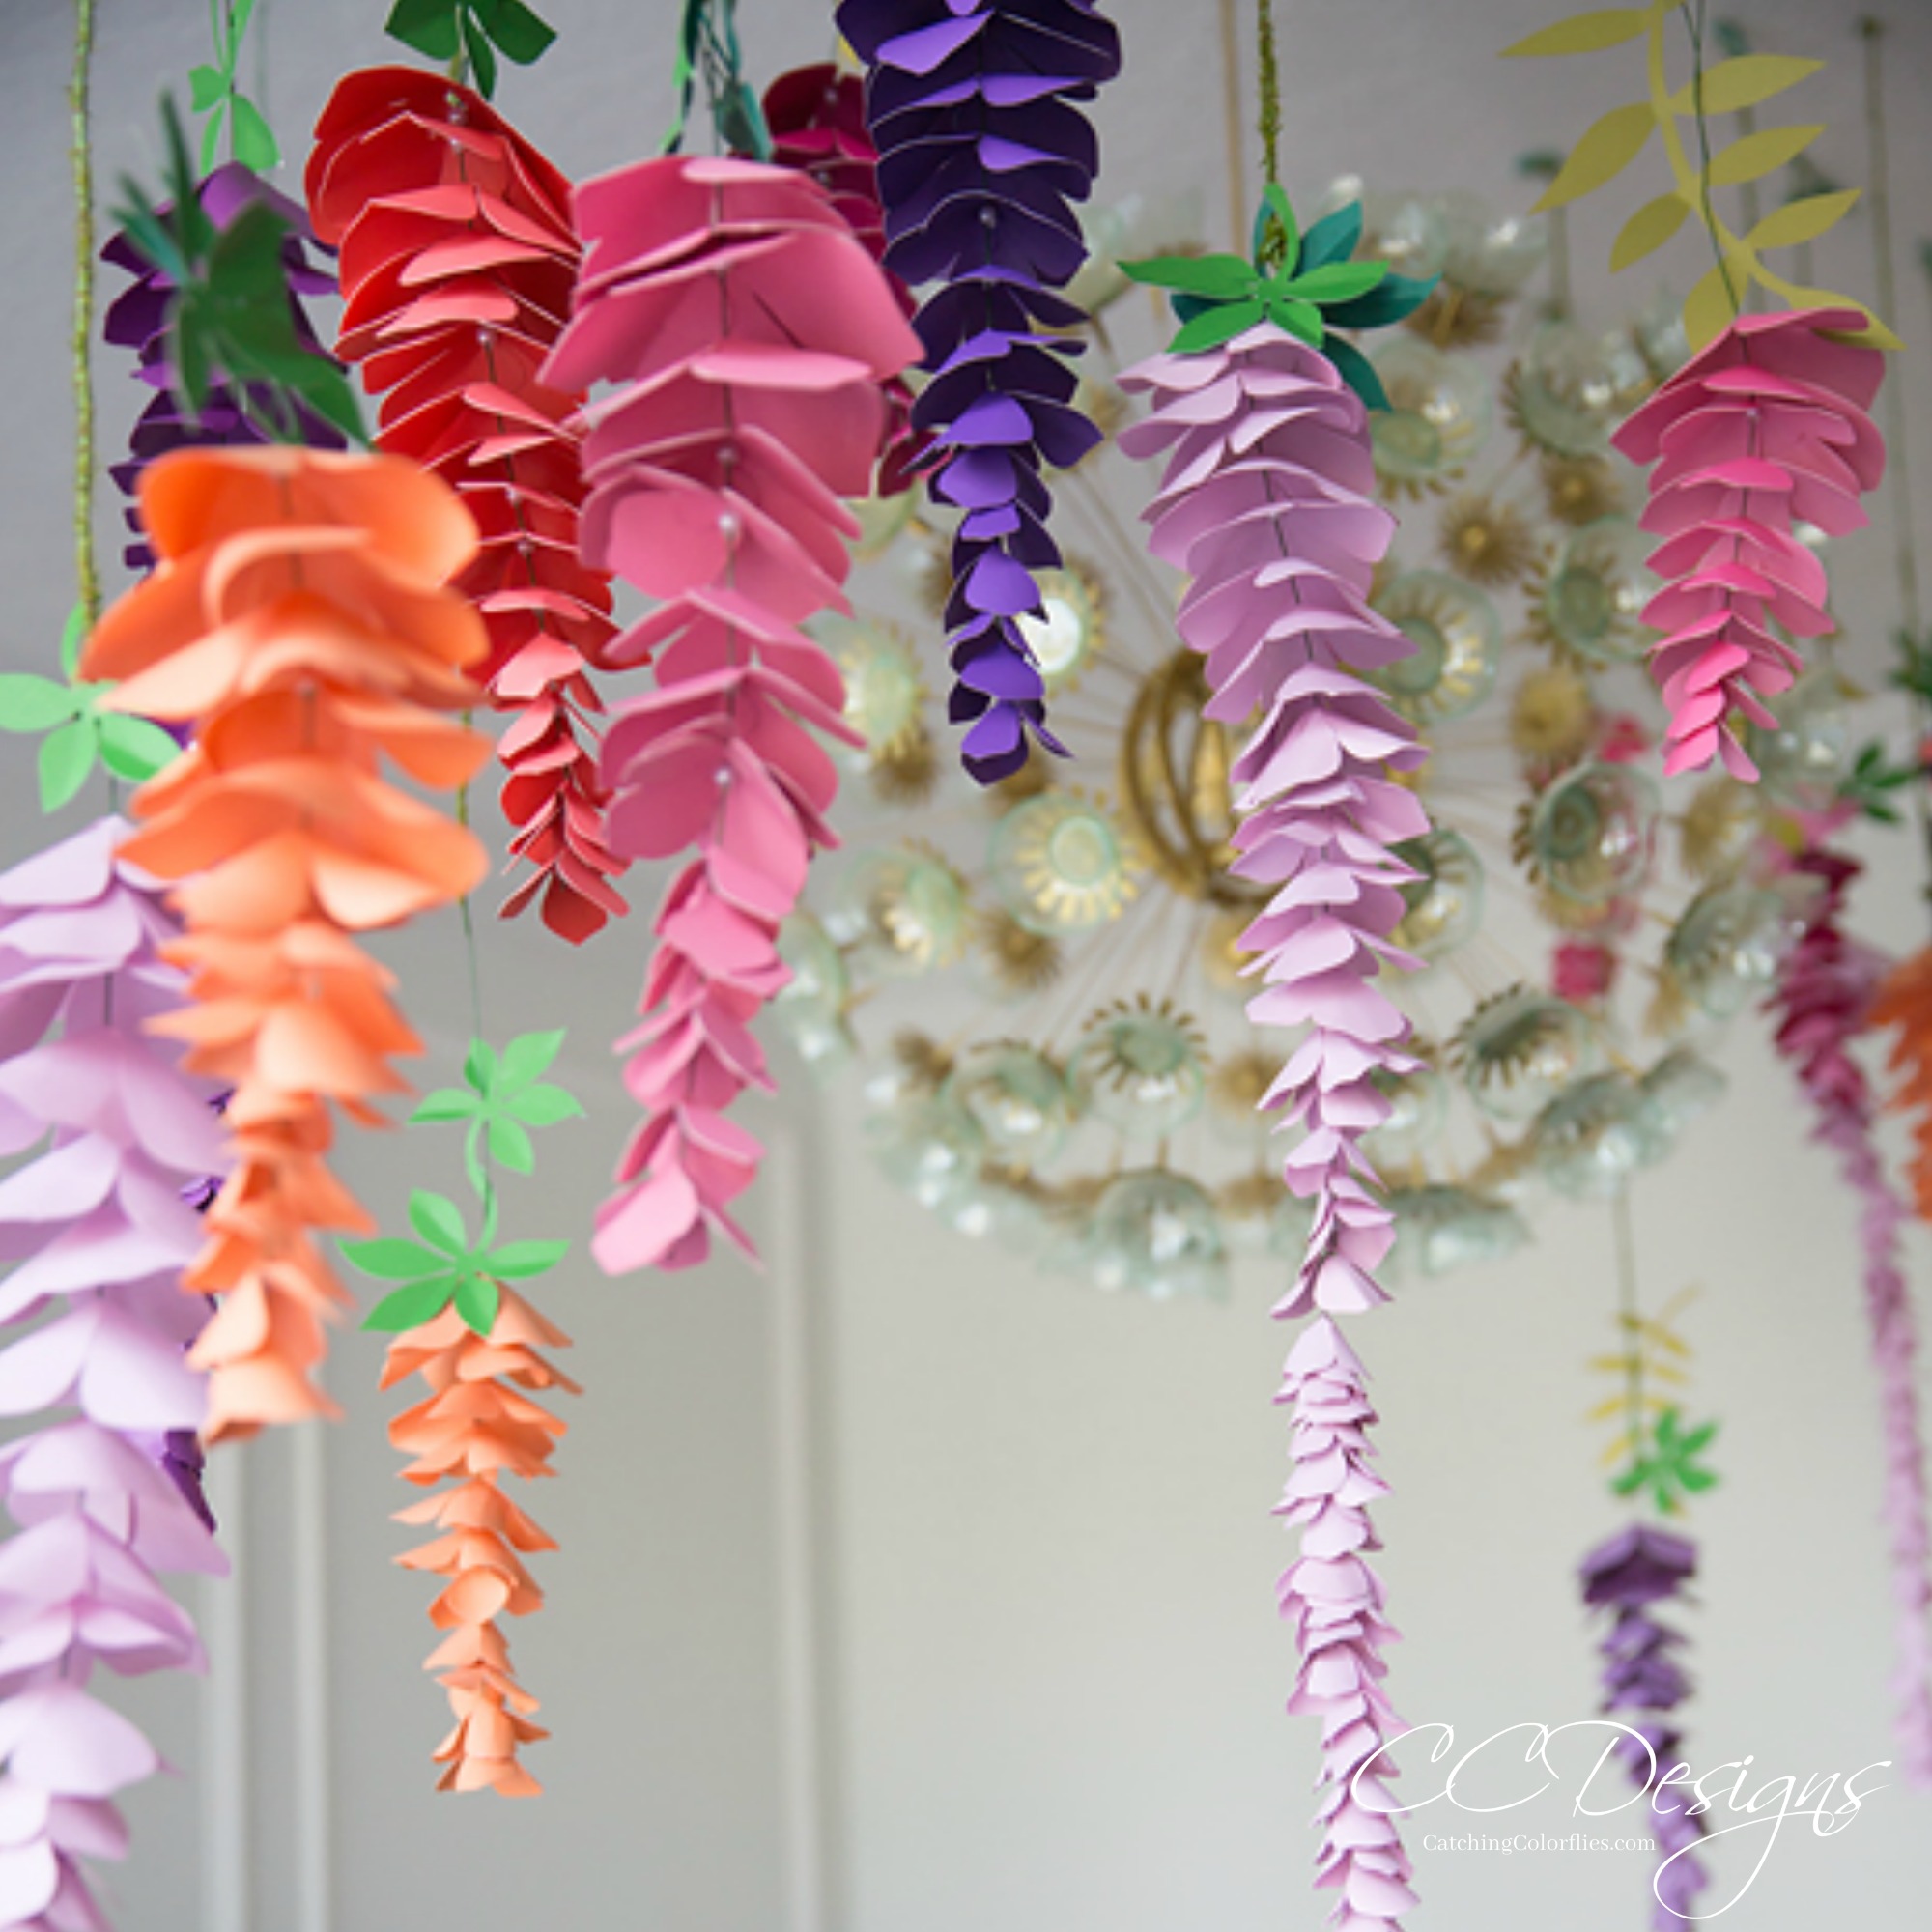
{"x": 1217, "y": 325}
{"x": 1606, "y": 148}
{"x": 206, "y": 85}
{"x": 520, "y": 1259}
{"x": 1761, "y": 153}
{"x": 477, "y": 1300}
{"x": 391, "y": 1260}
{"x": 29, "y": 704}
{"x": 446, "y": 1103}
{"x": 544, "y": 1106}
{"x": 67, "y": 758}
{"x": 1336, "y": 282}
{"x": 1649, "y": 229}
{"x": 254, "y": 140}
{"x": 528, "y": 1058}
{"x": 134, "y": 749}
{"x": 410, "y": 1307}
{"x": 479, "y": 1065}
{"x": 435, "y": 1218}
{"x": 510, "y": 1146}
{"x": 74, "y": 634}
{"x": 1583, "y": 33}
{"x": 1736, "y": 84}
{"x": 1218, "y": 277}
{"x": 1801, "y": 220}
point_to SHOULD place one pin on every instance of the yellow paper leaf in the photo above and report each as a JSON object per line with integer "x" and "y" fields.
{"x": 1709, "y": 308}
{"x": 1649, "y": 229}
{"x": 1611, "y": 1365}
{"x": 1801, "y": 220}
{"x": 1585, "y": 33}
{"x": 1873, "y": 335}
{"x": 1610, "y": 1406}
{"x": 1745, "y": 81}
{"x": 1663, "y": 1372}
{"x": 1618, "y": 1450}
{"x": 1609, "y": 146}
{"x": 1759, "y": 155}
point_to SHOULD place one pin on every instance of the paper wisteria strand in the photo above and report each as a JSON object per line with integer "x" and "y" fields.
{"x": 479, "y": 1422}
{"x": 816, "y": 119}
{"x": 1825, "y": 992}
{"x": 1266, "y": 507}
{"x": 982, "y": 155}
{"x": 301, "y": 617}
{"x": 458, "y": 260}
{"x": 748, "y": 333}
{"x": 137, "y": 320}
{"x": 1632, "y": 1574}
{"x": 1761, "y": 431}
{"x": 96, "y": 1232}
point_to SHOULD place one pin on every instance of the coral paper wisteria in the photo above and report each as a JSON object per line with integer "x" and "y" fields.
{"x": 982, "y": 155}
{"x": 301, "y": 618}
{"x": 458, "y": 260}
{"x": 748, "y": 333}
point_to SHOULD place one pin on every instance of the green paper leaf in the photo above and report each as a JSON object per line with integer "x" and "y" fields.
{"x": 435, "y": 1217}
{"x": 477, "y": 1300}
{"x": 1299, "y": 319}
{"x": 479, "y": 1065}
{"x": 211, "y": 140}
{"x": 1218, "y": 277}
{"x": 520, "y": 1259}
{"x": 134, "y": 749}
{"x": 510, "y": 1146}
{"x": 1336, "y": 281}
{"x": 1583, "y": 33}
{"x": 528, "y": 1058}
{"x": 74, "y": 634}
{"x": 482, "y": 56}
{"x": 1605, "y": 149}
{"x": 1217, "y": 325}
{"x": 486, "y": 1235}
{"x": 544, "y": 1106}
{"x": 1649, "y": 229}
{"x": 1759, "y": 155}
{"x": 67, "y": 758}
{"x": 29, "y": 704}
{"x": 1333, "y": 238}
{"x": 391, "y": 1260}
{"x": 411, "y": 1307}
{"x": 206, "y": 86}
{"x": 518, "y": 32}
{"x": 446, "y": 1103}
{"x": 254, "y": 140}
{"x": 1276, "y": 216}
{"x": 429, "y": 26}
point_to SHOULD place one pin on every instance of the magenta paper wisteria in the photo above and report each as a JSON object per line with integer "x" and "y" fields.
{"x": 97, "y": 1225}
{"x": 1763, "y": 430}
{"x": 1265, "y": 506}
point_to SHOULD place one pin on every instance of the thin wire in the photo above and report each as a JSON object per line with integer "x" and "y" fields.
{"x": 1694, "y": 27}
{"x": 1230, "y": 121}
{"x": 1624, "y": 1245}
{"x": 87, "y": 575}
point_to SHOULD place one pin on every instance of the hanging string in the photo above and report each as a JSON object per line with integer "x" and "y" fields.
{"x": 1268, "y": 81}
{"x": 1230, "y": 123}
{"x": 1693, "y": 25}
{"x": 87, "y": 575}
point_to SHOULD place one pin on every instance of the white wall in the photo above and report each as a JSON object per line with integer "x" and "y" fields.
{"x": 1021, "y": 1536}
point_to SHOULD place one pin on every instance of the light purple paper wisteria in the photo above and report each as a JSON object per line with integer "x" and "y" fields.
{"x": 1265, "y": 504}
{"x": 1823, "y": 993}
{"x": 96, "y": 1230}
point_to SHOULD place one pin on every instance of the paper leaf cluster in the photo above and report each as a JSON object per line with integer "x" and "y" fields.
{"x": 709, "y": 51}
{"x": 458, "y": 262}
{"x": 215, "y": 93}
{"x": 94, "y": 1224}
{"x": 746, "y": 333}
{"x": 472, "y": 31}
{"x": 1763, "y": 431}
{"x": 983, "y": 153}
{"x": 1825, "y": 994}
{"x": 1616, "y": 138}
{"x": 229, "y": 412}
{"x": 301, "y": 618}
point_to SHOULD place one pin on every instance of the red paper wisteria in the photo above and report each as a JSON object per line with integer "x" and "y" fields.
{"x": 1762, "y": 431}
{"x": 748, "y": 333}
{"x": 1265, "y": 506}
{"x": 458, "y": 259}
{"x": 301, "y": 617}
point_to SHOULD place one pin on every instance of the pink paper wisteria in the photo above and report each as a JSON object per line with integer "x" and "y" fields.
{"x": 1265, "y": 504}
{"x": 96, "y": 1231}
{"x": 748, "y": 331}
{"x": 1761, "y": 431}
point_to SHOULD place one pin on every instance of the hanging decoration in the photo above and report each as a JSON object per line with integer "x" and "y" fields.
{"x": 301, "y": 620}
{"x": 748, "y": 332}
{"x": 982, "y": 155}
{"x": 458, "y": 259}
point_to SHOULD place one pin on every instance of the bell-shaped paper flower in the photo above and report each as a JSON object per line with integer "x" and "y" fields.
{"x": 1825, "y": 993}
{"x": 982, "y": 155}
{"x": 137, "y": 320}
{"x": 748, "y": 333}
{"x": 301, "y": 619}
{"x": 95, "y": 1233}
{"x": 1760, "y": 432}
{"x": 476, "y": 1425}
{"x": 458, "y": 261}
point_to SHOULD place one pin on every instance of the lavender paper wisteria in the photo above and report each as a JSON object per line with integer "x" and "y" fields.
{"x": 982, "y": 156}
{"x": 96, "y": 1228}
{"x": 1265, "y": 504}
{"x": 137, "y": 320}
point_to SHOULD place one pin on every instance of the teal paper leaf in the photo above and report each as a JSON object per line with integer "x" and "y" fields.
{"x": 1333, "y": 238}
{"x": 1357, "y": 371}
{"x": 1389, "y": 300}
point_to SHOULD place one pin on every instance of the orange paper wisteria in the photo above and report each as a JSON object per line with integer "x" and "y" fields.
{"x": 301, "y": 618}
{"x": 458, "y": 261}
{"x": 476, "y": 1424}
{"x": 1903, "y": 1007}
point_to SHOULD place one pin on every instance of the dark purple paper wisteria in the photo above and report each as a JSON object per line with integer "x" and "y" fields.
{"x": 137, "y": 320}
{"x": 982, "y": 156}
